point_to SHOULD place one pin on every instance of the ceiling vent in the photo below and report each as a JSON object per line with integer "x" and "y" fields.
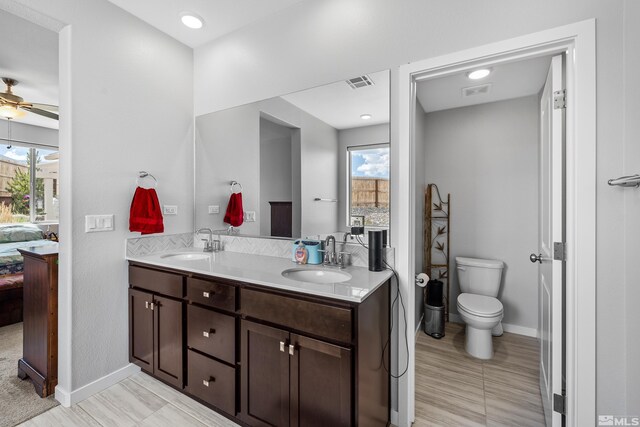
{"x": 476, "y": 90}
{"x": 360, "y": 81}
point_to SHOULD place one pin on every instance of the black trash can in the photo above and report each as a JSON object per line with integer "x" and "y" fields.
{"x": 434, "y": 309}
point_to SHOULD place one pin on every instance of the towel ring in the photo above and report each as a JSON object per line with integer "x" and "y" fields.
{"x": 233, "y": 185}
{"x": 143, "y": 175}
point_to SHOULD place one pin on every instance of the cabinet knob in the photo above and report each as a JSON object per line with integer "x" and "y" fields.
{"x": 208, "y": 294}
{"x": 282, "y": 344}
{"x": 292, "y": 349}
{"x": 206, "y": 333}
{"x": 151, "y": 306}
{"x": 206, "y": 382}
{"x": 146, "y": 304}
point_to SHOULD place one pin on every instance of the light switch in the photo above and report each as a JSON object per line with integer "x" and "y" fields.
{"x": 94, "y": 223}
{"x": 214, "y": 209}
{"x": 170, "y": 210}
{"x": 250, "y": 216}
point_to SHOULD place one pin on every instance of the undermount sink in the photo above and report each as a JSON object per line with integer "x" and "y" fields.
{"x": 186, "y": 256}
{"x": 315, "y": 275}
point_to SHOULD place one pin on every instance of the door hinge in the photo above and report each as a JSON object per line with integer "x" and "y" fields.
{"x": 559, "y": 402}
{"x": 560, "y": 99}
{"x": 559, "y": 251}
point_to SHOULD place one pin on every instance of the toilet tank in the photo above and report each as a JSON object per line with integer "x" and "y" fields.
{"x": 479, "y": 276}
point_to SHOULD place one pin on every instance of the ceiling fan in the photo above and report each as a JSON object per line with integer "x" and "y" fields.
{"x": 11, "y": 104}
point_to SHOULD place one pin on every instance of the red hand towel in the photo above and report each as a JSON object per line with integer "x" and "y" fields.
{"x": 145, "y": 214}
{"x": 234, "y": 215}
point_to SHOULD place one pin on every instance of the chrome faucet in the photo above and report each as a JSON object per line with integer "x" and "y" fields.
{"x": 330, "y": 250}
{"x": 208, "y": 243}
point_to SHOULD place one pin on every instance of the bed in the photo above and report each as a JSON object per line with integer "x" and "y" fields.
{"x": 12, "y": 238}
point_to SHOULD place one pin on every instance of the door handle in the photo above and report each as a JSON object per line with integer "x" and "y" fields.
{"x": 292, "y": 349}
{"x": 146, "y": 304}
{"x": 535, "y": 258}
{"x": 282, "y": 344}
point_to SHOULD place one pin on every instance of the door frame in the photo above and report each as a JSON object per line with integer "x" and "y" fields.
{"x": 578, "y": 40}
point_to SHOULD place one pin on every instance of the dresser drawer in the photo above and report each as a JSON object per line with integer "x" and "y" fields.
{"x": 212, "y": 333}
{"x": 213, "y": 294}
{"x": 212, "y": 381}
{"x": 307, "y": 316}
{"x": 160, "y": 282}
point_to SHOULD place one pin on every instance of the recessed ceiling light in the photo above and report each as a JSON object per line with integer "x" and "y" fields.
{"x": 191, "y": 20}
{"x": 479, "y": 74}
{"x": 365, "y": 116}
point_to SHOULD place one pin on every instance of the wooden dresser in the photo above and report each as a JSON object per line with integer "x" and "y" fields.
{"x": 39, "y": 360}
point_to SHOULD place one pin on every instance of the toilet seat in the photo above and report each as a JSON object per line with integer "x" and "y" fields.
{"x": 479, "y": 305}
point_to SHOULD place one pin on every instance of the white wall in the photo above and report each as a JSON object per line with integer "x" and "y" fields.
{"x": 420, "y": 117}
{"x": 314, "y": 43}
{"x": 486, "y": 156}
{"x": 228, "y": 147}
{"x": 631, "y": 165}
{"x": 276, "y": 177}
{"x": 128, "y": 91}
{"x": 29, "y": 133}
{"x": 364, "y": 135}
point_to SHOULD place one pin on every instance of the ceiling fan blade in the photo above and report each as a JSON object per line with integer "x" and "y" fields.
{"x": 48, "y": 107}
{"x": 40, "y": 112}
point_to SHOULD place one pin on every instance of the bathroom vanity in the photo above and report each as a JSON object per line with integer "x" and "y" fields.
{"x": 230, "y": 331}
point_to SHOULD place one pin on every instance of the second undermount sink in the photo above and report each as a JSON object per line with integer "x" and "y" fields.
{"x": 316, "y": 275}
{"x": 186, "y": 256}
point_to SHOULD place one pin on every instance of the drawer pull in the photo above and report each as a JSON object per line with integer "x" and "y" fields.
{"x": 146, "y": 304}
{"x": 282, "y": 344}
{"x": 208, "y": 294}
{"x": 292, "y": 349}
{"x": 206, "y": 382}
{"x": 206, "y": 333}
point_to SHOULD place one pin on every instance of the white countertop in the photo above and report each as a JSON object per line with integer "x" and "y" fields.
{"x": 267, "y": 271}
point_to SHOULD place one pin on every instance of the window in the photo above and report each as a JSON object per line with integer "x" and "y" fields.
{"x": 29, "y": 184}
{"x": 368, "y": 186}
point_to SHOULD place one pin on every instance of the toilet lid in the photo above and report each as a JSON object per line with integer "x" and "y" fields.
{"x": 479, "y": 305}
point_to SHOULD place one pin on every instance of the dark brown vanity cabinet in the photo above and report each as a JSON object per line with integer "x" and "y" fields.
{"x": 293, "y": 380}
{"x": 263, "y": 357}
{"x": 155, "y": 324}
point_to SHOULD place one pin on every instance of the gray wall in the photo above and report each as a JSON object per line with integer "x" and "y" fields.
{"x": 313, "y": 43}
{"x": 420, "y": 128}
{"x": 486, "y": 156}
{"x": 365, "y": 135}
{"x": 228, "y": 148}
{"x": 114, "y": 122}
{"x": 277, "y": 176}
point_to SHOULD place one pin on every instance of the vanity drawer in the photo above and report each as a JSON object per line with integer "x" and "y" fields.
{"x": 156, "y": 281}
{"x": 211, "y": 333}
{"x": 212, "y": 381}
{"x": 307, "y": 316}
{"x": 210, "y": 293}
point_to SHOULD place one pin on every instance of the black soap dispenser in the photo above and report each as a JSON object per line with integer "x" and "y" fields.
{"x": 376, "y": 250}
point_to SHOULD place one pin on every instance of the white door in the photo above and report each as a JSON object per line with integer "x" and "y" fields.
{"x": 550, "y": 271}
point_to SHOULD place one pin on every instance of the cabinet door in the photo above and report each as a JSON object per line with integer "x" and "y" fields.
{"x": 320, "y": 383}
{"x": 141, "y": 329}
{"x": 168, "y": 346}
{"x": 265, "y": 375}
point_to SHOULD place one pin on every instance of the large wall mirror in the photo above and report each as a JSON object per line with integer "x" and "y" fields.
{"x": 310, "y": 163}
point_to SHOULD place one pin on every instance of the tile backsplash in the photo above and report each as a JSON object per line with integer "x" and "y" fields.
{"x": 242, "y": 244}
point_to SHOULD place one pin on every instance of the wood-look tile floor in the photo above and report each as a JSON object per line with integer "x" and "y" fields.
{"x": 138, "y": 400}
{"x": 453, "y": 388}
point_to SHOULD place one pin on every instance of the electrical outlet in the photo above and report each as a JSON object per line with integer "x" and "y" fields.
{"x": 170, "y": 210}
{"x": 214, "y": 209}
{"x": 250, "y": 216}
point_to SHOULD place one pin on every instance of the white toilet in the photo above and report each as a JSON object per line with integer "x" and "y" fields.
{"x": 477, "y": 303}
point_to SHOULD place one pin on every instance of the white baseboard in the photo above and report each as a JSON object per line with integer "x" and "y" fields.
{"x": 394, "y": 417}
{"x": 418, "y": 327}
{"x": 513, "y": 329}
{"x": 68, "y": 399}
